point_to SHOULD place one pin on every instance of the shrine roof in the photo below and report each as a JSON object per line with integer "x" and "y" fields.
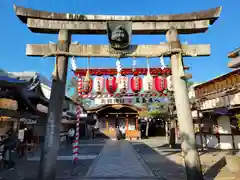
{"x": 115, "y": 106}
{"x": 217, "y": 78}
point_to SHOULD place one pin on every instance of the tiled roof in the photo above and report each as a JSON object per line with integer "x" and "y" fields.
{"x": 234, "y": 53}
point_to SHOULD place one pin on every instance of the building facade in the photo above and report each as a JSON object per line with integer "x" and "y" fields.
{"x": 215, "y": 119}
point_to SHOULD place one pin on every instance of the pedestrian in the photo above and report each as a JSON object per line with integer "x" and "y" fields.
{"x": 71, "y": 134}
{"x": 10, "y": 144}
{"x": 118, "y": 133}
{"x": 21, "y": 138}
{"x": 93, "y": 132}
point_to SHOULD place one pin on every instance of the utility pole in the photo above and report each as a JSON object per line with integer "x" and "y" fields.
{"x": 48, "y": 162}
{"x": 191, "y": 157}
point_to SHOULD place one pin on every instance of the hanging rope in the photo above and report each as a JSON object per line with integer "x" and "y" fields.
{"x": 166, "y": 53}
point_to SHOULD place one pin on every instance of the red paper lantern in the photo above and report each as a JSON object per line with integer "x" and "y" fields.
{"x": 160, "y": 83}
{"x": 136, "y": 84}
{"x": 111, "y": 84}
{"x": 87, "y": 86}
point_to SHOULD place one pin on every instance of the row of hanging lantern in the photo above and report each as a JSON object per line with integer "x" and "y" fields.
{"x": 148, "y": 84}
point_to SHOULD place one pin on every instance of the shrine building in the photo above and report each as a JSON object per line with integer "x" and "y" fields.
{"x": 216, "y": 123}
{"x": 111, "y": 115}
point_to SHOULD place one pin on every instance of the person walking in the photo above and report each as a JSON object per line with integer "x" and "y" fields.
{"x": 10, "y": 144}
{"x": 93, "y": 131}
{"x": 118, "y": 133}
{"x": 71, "y": 134}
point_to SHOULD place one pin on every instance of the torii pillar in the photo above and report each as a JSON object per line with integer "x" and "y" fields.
{"x": 184, "y": 114}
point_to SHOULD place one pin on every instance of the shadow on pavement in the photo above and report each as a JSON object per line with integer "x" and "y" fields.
{"x": 167, "y": 163}
{"x": 27, "y": 169}
{"x": 160, "y": 165}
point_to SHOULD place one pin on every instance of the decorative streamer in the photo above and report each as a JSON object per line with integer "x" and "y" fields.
{"x": 162, "y": 63}
{"x": 134, "y": 64}
{"x": 148, "y": 67}
{"x": 119, "y": 68}
{"x": 54, "y": 73}
{"x": 73, "y": 63}
{"x": 148, "y": 79}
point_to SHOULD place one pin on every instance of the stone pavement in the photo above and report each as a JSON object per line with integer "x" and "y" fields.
{"x": 27, "y": 169}
{"x": 119, "y": 160}
{"x": 166, "y": 162}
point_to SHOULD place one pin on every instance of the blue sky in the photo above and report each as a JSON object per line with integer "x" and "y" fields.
{"x": 224, "y": 35}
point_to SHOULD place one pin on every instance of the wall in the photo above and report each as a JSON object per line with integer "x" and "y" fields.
{"x": 224, "y": 129}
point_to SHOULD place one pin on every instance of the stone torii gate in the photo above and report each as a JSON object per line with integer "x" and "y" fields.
{"x": 67, "y": 24}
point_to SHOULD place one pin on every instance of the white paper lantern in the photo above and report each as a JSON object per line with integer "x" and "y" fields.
{"x": 123, "y": 84}
{"x": 148, "y": 84}
{"x": 98, "y": 84}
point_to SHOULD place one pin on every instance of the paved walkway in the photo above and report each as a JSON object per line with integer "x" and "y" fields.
{"x": 119, "y": 160}
{"x": 27, "y": 169}
{"x": 166, "y": 162}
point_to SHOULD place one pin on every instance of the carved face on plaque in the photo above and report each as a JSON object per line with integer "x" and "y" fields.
{"x": 119, "y": 34}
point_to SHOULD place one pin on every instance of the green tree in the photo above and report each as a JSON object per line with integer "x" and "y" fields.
{"x": 160, "y": 109}
{"x": 238, "y": 118}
